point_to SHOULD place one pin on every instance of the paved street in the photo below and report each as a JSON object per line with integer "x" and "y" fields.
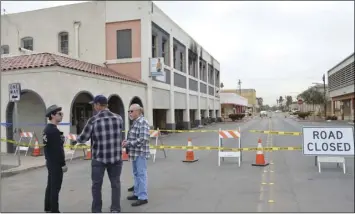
{"x": 290, "y": 184}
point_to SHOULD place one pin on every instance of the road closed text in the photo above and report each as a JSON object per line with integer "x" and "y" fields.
{"x": 328, "y": 141}
{"x": 328, "y": 147}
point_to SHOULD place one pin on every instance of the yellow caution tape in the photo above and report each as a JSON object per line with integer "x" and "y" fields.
{"x": 228, "y": 149}
{"x": 277, "y": 132}
{"x": 22, "y": 143}
{"x": 83, "y": 146}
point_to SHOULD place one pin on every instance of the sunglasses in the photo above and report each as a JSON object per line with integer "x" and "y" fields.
{"x": 60, "y": 113}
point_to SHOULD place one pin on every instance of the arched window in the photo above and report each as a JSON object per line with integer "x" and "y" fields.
{"x": 63, "y": 41}
{"x": 5, "y": 49}
{"x": 27, "y": 43}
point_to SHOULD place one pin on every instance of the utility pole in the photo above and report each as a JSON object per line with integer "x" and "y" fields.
{"x": 240, "y": 87}
{"x": 325, "y": 98}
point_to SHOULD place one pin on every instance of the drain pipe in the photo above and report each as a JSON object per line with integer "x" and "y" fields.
{"x": 76, "y": 34}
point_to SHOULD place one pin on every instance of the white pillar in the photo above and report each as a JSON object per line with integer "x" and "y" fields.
{"x": 170, "y": 119}
{"x": 76, "y": 34}
{"x": 198, "y": 113}
{"x": 146, "y": 41}
{"x": 170, "y": 113}
{"x": 186, "y": 119}
{"x": 207, "y": 90}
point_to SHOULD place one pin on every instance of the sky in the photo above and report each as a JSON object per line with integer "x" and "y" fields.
{"x": 278, "y": 48}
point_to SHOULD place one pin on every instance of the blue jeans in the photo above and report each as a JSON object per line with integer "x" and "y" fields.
{"x": 140, "y": 177}
{"x": 97, "y": 176}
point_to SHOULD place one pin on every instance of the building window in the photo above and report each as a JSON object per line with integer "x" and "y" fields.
{"x": 124, "y": 43}
{"x": 5, "y": 49}
{"x": 182, "y": 62}
{"x": 217, "y": 78}
{"x": 154, "y": 46}
{"x": 174, "y": 55}
{"x": 63, "y": 38}
{"x": 164, "y": 50}
{"x": 27, "y": 43}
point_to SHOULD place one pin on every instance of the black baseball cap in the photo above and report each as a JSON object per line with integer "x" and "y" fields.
{"x": 100, "y": 99}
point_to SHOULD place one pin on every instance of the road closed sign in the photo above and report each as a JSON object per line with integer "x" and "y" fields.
{"x": 337, "y": 141}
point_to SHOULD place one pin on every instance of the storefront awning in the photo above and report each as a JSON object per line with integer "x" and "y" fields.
{"x": 232, "y": 98}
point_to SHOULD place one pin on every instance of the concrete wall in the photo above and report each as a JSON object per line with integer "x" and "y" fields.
{"x": 63, "y": 96}
{"x": 163, "y": 102}
{"x": 342, "y": 91}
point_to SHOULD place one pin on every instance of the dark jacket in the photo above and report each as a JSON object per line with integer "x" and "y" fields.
{"x": 54, "y": 142}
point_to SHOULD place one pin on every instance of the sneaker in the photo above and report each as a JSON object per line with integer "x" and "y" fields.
{"x": 139, "y": 202}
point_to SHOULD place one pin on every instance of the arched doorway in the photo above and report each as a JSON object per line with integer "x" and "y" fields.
{"x": 115, "y": 105}
{"x": 31, "y": 117}
{"x": 80, "y": 111}
{"x": 135, "y": 100}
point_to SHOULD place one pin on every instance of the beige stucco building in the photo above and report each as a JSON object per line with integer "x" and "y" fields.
{"x": 123, "y": 36}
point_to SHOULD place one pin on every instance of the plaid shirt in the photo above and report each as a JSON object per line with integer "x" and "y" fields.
{"x": 138, "y": 138}
{"x": 104, "y": 129}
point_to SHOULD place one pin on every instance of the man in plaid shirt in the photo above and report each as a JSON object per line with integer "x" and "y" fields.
{"x": 138, "y": 143}
{"x": 104, "y": 129}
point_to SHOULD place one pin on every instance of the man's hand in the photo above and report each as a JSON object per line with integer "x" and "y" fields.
{"x": 124, "y": 143}
{"x": 64, "y": 169}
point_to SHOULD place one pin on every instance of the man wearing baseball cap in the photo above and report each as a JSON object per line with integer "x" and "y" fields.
{"x": 104, "y": 129}
{"x": 55, "y": 158}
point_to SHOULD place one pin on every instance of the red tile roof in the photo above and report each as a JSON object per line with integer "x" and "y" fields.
{"x": 40, "y": 60}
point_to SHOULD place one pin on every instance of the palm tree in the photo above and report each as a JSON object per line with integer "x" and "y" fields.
{"x": 281, "y": 99}
{"x": 288, "y": 101}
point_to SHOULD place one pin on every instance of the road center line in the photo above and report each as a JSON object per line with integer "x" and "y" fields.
{"x": 270, "y": 175}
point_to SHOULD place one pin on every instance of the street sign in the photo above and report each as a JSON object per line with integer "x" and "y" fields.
{"x": 331, "y": 141}
{"x": 14, "y": 92}
{"x": 300, "y": 102}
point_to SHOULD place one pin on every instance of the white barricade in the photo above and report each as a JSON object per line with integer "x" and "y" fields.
{"x": 228, "y": 134}
{"x": 156, "y": 134}
{"x": 328, "y": 144}
{"x": 24, "y": 135}
{"x": 70, "y": 150}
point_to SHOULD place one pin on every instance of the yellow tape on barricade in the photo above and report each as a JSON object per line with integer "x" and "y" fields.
{"x": 277, "y": 132}
{"x": 83, "y": 146}
{"x": 22, "y": 144}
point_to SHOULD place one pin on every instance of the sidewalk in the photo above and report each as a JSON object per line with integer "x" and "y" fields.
{"x": 310, "y": 119}
{"x": 9, "y": 163}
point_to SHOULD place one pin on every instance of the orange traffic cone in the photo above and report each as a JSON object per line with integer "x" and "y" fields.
{"x": 88, "y": 154}
{"x": 36, "y": 151}
{"x": 190, "y": 157}
{"x": 124, "y": 154}
{"x": 260, "y": 159}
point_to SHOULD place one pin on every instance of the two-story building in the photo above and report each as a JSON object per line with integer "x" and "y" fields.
{"x": 249, "y": 94}
{"x": 341, "y": 88}
{"x": 124, "y": 37}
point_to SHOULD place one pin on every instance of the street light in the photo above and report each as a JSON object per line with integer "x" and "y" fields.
{"x": 325, "y": 98}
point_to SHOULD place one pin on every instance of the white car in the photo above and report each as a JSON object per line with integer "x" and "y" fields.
{"x": 263, "y": 113}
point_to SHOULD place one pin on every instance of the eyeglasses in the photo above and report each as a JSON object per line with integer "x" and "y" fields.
{"x": 60, "y": 113}
{"x": 130, "y": 111}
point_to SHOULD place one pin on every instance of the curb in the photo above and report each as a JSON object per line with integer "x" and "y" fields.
{"x": 9, "y": 173}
